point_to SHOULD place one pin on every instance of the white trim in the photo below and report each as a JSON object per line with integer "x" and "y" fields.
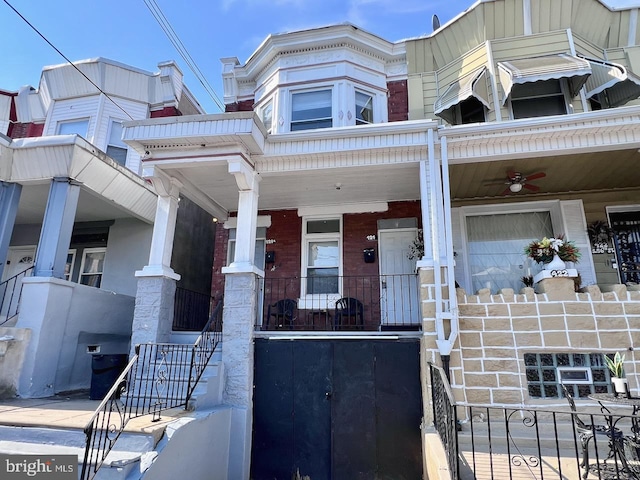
{"x": 586, "y": 381}
{"x": 263, "y": 221}
{"x": 526, "y": 7}
{"x": 622, "y": 208}
{"x": 73, "y": 252}
{"x": 82, "y": 273}
{"x": 318, "y": 300}
{"x": 374, "y": 207}
{"x": 633, "y": 27}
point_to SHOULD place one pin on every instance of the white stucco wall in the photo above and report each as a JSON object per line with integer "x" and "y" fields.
{"x": 63, "y": 318}
{"x": 127, "y": 251}
{"x": 200, "y": 441}
{"x": 13, "y": 343}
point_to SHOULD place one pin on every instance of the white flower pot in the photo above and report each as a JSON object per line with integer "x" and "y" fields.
{"x": 620, "y": 386}
{"x": 555, "y": 264}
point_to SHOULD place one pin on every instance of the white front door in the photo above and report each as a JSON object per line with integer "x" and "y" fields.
{"x": 18, "y": 260}
{"x": 399, "y": 293}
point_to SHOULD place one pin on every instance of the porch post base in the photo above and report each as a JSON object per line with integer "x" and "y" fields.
{"x": 558, "y": 288}
{"x": 153, "y": 313}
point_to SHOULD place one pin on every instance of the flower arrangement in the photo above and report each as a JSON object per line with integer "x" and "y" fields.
{"x": 543, "y": 251}
{"x": 416, "y": 249}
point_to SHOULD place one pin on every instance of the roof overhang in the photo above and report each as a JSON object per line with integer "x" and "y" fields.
{"x": 547, "y": 67}
{"x": 611, "y": 83}
{"x": 37, "y": 160}
{"x": 472, "y": 85}
{"x": 378, "y": 162}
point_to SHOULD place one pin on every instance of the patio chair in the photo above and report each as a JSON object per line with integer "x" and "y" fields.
{"x": 587, "y": 432}
{"x": 283, "y": 311}
{"x": 348, "y": 308}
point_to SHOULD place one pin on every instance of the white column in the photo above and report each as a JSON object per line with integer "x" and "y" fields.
{"x": 164, "y": 226}
{"x": 57, "y": 226}
{"x": 247, "y": 180}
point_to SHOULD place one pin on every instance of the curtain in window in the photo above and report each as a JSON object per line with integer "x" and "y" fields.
{"x": 496, "y": 248}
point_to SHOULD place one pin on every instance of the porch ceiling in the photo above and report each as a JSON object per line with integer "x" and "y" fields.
{"x": 33, "y": 201}
{"x": 585, "y": 172}
{"x": 309, "y": 187}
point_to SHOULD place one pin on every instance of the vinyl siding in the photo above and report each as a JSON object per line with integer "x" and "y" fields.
{"x": 71, "y": 109}
{"x": 5, "y": 106}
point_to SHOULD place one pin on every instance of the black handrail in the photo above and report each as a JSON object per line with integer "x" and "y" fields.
{"x": 444, "y": 416}
{"x": 8, "y": 289}
{"x": 160, "y": 376}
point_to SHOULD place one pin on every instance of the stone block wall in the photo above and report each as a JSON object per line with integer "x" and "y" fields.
{"x": 487, "y": 363}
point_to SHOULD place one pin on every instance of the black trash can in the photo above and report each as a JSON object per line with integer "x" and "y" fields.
{"x": 105, "y": 370}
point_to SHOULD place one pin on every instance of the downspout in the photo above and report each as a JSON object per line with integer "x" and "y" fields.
{"x": 441, "y": 235}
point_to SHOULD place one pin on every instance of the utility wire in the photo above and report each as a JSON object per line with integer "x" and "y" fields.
{"x": 182, "y": 50}
{"x": 63, "y": 56}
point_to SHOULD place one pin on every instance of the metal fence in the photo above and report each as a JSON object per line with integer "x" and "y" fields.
{"x": 340, "y": 303}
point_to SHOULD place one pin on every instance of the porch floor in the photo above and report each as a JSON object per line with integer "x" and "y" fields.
{"x": 72, "y": 411}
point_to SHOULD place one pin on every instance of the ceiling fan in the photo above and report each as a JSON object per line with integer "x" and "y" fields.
{"x": 516, "y": 181}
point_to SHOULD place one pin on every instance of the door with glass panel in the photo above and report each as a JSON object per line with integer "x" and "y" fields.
{"x": 495, "y": 246}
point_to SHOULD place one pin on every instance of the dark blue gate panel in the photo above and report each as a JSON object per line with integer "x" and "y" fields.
{"x": 353, "y": 419}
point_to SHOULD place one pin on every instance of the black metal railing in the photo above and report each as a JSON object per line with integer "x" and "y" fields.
{"x": 369, "y": 303}
{"x": 160, "y": 376}
{"x": 191, "y": 310}
{"x": 11, "y": 294}
{"x": 444, "y": 416}
{"x": 547, "y": 444}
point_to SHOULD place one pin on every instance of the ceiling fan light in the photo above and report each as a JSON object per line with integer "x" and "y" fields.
{"x": 515, "y": 187}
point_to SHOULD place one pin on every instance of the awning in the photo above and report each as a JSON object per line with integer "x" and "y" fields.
{"x": 611, "y": 83}
{"x": 473, "y": 85}
{"x": 548, "y": 67}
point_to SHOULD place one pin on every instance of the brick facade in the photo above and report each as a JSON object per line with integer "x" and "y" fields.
{"x": 242, "y": 106}
{"x": 165, "y": 112}
{"x": 25, "y": 130}
{"x": 398, "y": 101}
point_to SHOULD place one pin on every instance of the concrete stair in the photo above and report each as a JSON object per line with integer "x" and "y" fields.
{"x": 55, "y": 426}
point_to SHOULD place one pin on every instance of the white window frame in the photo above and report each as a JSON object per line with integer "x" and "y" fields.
{"x": 73, "y": 252}
{"x": 82, "y": 273}
{"x": 271, "y": 101}
{"x": 568, "y": 105}
{"x": 553, "y": 207}
{"x": 372, "y": 96}
{"x": 323, "y": 300}
{"x": 60, "y": 124}
{"x": 588, "y": 380}
{"x": 121, "y": 145}
{"x": 330, "y": 88}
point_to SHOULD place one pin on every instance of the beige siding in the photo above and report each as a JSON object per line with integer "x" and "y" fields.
{"x": 462, "y": 66}
{"x": 588, "y": 49}
{"x": 421, "y": 88}
{"x": 530, "y": 46}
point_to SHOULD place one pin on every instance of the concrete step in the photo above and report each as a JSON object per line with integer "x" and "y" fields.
{"x": 119, "y": 464}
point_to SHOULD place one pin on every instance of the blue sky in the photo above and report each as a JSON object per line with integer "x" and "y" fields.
{"x": 125, "y": 30}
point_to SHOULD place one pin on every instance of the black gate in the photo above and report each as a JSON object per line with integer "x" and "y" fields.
{"x": 626, "y": 236}
{"x": 337, "y": 409}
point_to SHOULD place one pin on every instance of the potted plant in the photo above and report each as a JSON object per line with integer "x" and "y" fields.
{"x": 553, "y": 252}
{"x": 416, "y": 249}
{"x": 616, "y": 368}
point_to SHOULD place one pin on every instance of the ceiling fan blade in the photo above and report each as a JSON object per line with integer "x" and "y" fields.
{"x": 535, "y": 176}
{"x": 533, "y": 188}
{"x": 506, "y": 192}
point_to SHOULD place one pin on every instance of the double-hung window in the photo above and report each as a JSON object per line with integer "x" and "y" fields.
{"x": 322, "y": 256}
{"x": 364, "y": 108}
{"x": 116, "y": 148}
{"x": 79, "y": 127}
{"x": 311, "y": 110}
{"x": 92, "y": 266}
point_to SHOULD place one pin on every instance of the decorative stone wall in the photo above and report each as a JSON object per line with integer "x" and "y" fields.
{"x": 487, "y": 365}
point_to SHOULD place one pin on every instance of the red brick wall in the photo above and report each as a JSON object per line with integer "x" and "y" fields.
{"x": 398, "y": 101}
{"x": 24, "y": 130}
{"x": 166, "y": 112}
{"x": 243, "y": 106}
{"x": 286, "y": 230}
